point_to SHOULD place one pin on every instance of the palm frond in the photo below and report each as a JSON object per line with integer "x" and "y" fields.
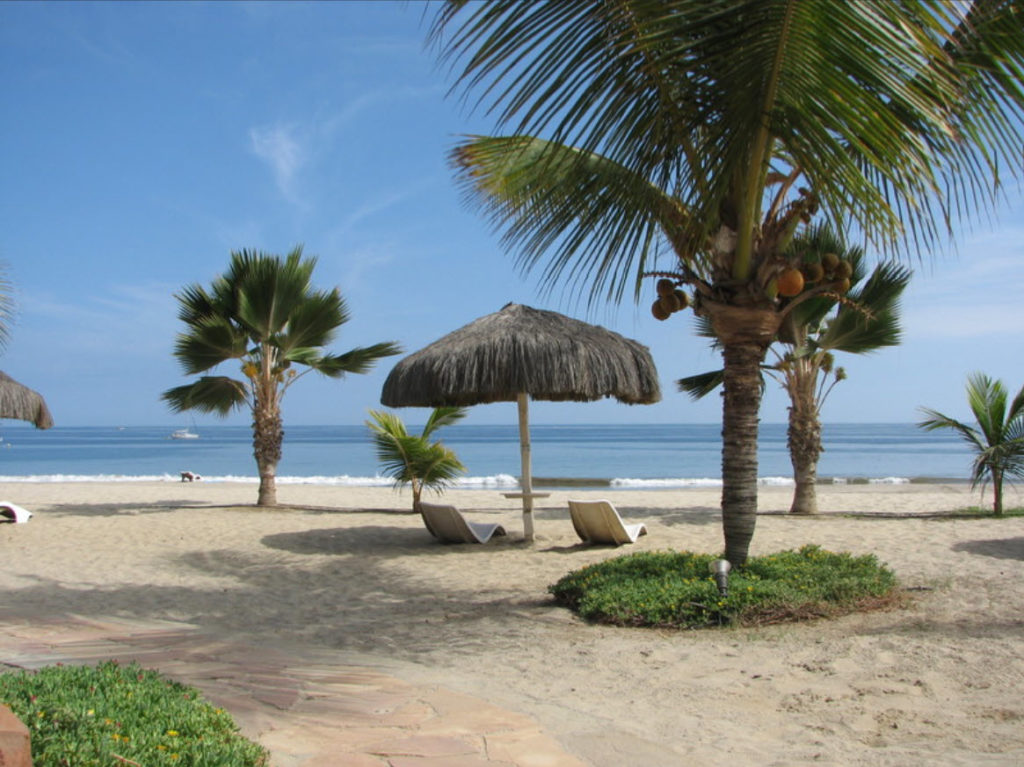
{"x": 207, "y": 343}
{"x": 701, "y": 385}
{"x": 7, "y": 306}
{"x": 269, "y": 289}
{"x": 358, "y": 360}
{"x": 210, "y": 394}
{"x": 897, "y": 115}
{"x": 443, "y": 416}
{"x": 314, "y": 321}
{"x": 870, "y": 321}
{"x": 987, "y": 400}
{"x": 597, "y": 222}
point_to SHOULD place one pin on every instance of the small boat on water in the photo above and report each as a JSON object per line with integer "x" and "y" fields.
{"x": 184, "y": 434}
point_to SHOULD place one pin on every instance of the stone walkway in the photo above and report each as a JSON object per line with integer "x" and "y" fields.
{"x": 307, "y": 711}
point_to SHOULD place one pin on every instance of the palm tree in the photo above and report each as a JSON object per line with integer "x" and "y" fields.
{"x": 865, "y": 320}
{"x": 709, "y": 132}
{"x": 7, "y": 305}
{"x": 264, "y": 313}
{"x": 414, "y": 460}
{"x": 998, "y": 442}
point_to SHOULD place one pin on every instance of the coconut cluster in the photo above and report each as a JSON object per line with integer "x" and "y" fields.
{"x": 671, "y": 299}
{"x": 831, "y": 269}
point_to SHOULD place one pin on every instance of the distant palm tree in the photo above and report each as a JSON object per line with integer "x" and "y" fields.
{"x": 705, "y": 134}
{"x": 414, "y": 460}
{"x": 264, "y": 313}
{"x": 998, "y": 441}
{"x": 864, "y": 320}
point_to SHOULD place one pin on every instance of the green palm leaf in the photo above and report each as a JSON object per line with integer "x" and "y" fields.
{"x": 358, "y": 360}
{"x": 210, "y": 394}
{"x": 443, "y": 416}
{"x": 209, "y": 342}
{"x": 596, "y": 218}
{"x": 701, "y": 385}
{"x": 862, "y": 96}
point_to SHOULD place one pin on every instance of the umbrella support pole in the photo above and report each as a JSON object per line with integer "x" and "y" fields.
{"x": 526, "y": 480}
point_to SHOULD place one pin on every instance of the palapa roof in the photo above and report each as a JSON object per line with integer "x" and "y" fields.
{"x": 21, "y": 402}
{"x": 521, "y": 349}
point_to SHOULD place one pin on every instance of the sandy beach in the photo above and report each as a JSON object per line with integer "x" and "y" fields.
{"x": 350, "y": 570}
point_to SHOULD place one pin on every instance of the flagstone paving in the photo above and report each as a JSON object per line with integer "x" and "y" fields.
{"x": 307, "y": 712}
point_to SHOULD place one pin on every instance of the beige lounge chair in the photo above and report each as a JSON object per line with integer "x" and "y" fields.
{"x": 14, "y": 512}
{"x": 447, "y": 524}
{"x": 599, "y": 522}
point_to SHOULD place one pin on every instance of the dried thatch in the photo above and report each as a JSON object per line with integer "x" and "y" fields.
{"x": 519, "y": 353}
{"x": 520, "y": 349}
{"x": 17, "y": 401}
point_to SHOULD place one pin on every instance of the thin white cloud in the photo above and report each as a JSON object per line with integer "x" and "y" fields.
{"x": 281, "y": 149}
{"x": 127, "y": 320}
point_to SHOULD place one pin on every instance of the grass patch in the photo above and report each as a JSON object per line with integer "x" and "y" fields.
{"x": 85, "y": 716}
{"x": 675, "y": 589}
{"x": 987, "y": 513}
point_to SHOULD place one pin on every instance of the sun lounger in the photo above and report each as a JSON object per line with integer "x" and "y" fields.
{"x": 14, "y": 511}
{"x": 447, "y": 524}
{"x": 599, "y": 522}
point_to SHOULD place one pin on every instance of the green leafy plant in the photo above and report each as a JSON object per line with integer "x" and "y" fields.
{"x": 85, "y": 716}
{"x": 997, "y": 442}
{"x": 264, "y": 313}
{"x": 412, "y": 459}
{"x": 675, "y": 589}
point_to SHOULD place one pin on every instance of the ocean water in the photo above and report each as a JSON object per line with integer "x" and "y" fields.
{"x": 623, "y": 456}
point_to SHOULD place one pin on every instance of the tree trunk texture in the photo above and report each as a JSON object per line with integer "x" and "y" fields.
{"x": 267, "y": 436}
{"x": 745, "y": 334}
{"x": 417, "y": 493}
{"x": 804, "y": 441}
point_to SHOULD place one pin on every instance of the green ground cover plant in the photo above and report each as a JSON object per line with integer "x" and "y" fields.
{"x": 977, "y": 511}
{"x": 675, "y": 589}
{"x": 113, "y": 714}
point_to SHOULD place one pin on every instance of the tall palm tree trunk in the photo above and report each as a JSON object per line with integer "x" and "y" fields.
{"x": 267, "y": 437}
{"x": 745, "y": 335}
{"x": 804, "y": 438}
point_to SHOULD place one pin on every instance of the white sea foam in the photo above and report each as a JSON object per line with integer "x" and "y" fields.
{"x": 700, "y": 482}
{"x": 638, "y": 484}
{"x": 495, "y": 481}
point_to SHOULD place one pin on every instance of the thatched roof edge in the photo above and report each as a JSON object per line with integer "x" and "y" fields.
{"x": 522, "y": 349}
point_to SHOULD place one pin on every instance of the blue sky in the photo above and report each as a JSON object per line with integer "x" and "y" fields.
{"x": 142, "y": 142}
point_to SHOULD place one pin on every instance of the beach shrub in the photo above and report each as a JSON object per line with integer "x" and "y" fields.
{"x": 122, "y": 714}
{"x": 675, "y": 588}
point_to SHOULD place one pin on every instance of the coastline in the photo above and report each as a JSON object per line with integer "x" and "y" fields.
{"x": 351, "y": 571}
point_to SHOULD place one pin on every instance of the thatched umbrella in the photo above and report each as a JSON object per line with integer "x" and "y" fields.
{"x": 518, "y": 353}
{"x": 18, "y": 401}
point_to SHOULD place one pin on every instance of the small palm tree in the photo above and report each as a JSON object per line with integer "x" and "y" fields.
{"x": 998, "y": 442}
{"x": 414, "y": 460}
{"x": 865, "y": 320}
{"x": 264, "y": 313}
